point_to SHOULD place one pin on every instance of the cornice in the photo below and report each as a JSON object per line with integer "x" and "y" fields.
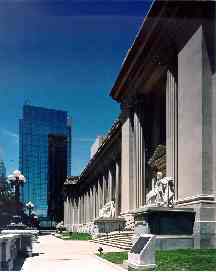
{"x": 165, "y": 29}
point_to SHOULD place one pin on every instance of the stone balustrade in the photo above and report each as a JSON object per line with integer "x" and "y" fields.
{"x": 13, "y": 243}
{"x": 9, "y": 248}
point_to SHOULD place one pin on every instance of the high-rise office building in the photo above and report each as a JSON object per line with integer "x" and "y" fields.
{"x": 36, "y": 127}
{"x": 57, "y": 172}
{"x": 2, "y": 175}
{"x": 2, "y": 169}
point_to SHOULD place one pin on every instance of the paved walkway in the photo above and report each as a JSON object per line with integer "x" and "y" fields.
{"x": 59, "y": 255}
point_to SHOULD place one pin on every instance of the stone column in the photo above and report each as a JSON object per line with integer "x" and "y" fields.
{"x": 90, "y": 205}
{"x": 117, "y": 189}
{"x": 100, "y": 192}
{"x": 171, "y": 128}
{"x": 66, "y": 212}
{"x": 94, "y": 202}
{"x": 97, "y": 201}
{"x": 70, "y": 213}
{"x": 79, "y": 210}
{"x": 75, "y": 212}
{"x": 139, "y": 155}
{"x": 194, "y": 119}
{"x": 87, "y": 207}
{"x": 110, "y": 185}
{"x": 104, "y": 190}
{"x": 84, "y": 208}
{"x": 127, "y": 186}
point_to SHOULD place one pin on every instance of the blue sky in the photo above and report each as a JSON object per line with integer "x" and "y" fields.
{"x": 63, "y": 55}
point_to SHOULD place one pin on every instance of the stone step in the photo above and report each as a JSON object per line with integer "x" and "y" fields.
{"x": 119, "y": 240}
{"x": 114, "y": 240}
{"x": 125, "y": 233}
{"x": 119, "y": 236}
{"x": 128, "y": 243}
{"x": 121, "y": 246}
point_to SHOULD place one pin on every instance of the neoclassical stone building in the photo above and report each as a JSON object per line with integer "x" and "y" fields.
{"x": 167, "y": 92}
{"x": 98, "y": 184}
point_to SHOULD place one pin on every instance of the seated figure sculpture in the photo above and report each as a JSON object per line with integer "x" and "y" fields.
{"x": 108, "y": 210}
{"x": 162, "y": 193}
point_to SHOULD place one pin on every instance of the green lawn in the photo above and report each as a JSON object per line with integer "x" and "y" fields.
{"x": 198, "y": 259}
{"x": 115, "y": 257}
{"x": 75, "y": 236}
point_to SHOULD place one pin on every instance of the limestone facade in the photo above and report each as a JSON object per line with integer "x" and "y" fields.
{"x": 98, "y": 184}
{"x": 167, "y": 92}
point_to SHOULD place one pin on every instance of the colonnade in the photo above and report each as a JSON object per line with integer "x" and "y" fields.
{"x": 133, "y": 147}
{"x": 83, "y": 201}
{"x": 108, "y": 177}
{"x": 133, "y": 156}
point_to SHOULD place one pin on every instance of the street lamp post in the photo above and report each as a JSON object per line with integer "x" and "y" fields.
{"x": 16, "y": 179}
{"x": 30, "y": 207}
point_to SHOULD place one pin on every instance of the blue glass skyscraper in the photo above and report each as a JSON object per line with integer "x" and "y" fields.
{"x": 34, "y": 130}
{"x": 3, "y": 183}
{"x": 2, "y": 169}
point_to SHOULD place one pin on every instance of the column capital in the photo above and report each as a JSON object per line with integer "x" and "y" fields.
{"x": 129, "y": 105}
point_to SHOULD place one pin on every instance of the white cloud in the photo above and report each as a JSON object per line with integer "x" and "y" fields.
{"x": 83, "y": 140}
{"x": 11, "y": 134}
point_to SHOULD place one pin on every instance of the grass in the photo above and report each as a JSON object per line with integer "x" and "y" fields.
{"x": 115, "y": 257}
{"x": 187, "y": 259}
{"x": 75, "y": 236}
{"x": 190, "y": 259}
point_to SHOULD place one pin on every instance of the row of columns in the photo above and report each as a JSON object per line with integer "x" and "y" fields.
{"x": 133, "y": 156}
{"x": 84, "y": 208}
{"x": 133, "y": 146}
{"x": 133, "y": 160}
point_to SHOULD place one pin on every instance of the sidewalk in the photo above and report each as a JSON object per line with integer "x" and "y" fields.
{"x": 56, "y": 255}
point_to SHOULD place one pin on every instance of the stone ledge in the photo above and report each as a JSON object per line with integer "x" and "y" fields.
{"x": 162, "y": 209}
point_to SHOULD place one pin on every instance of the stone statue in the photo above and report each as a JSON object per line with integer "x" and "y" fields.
{"x": 108, "y": 210}
{"x": 162, "y": 192}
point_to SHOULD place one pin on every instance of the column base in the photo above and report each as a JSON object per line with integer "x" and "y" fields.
{"x": 204, "y": 230}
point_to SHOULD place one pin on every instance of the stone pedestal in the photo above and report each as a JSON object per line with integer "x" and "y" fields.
{"x": 205, "y": 221}
{"x": 173, "y": 226}
{"x": 107, "y": 225}
{"x": 142, "y": 254}
{"x": 166, "y": 221}
{"x": 27, "y": 237}
{"x": 9, "y": 249}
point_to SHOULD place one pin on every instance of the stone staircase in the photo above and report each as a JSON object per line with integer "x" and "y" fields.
{"x": 120, "y": 240}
